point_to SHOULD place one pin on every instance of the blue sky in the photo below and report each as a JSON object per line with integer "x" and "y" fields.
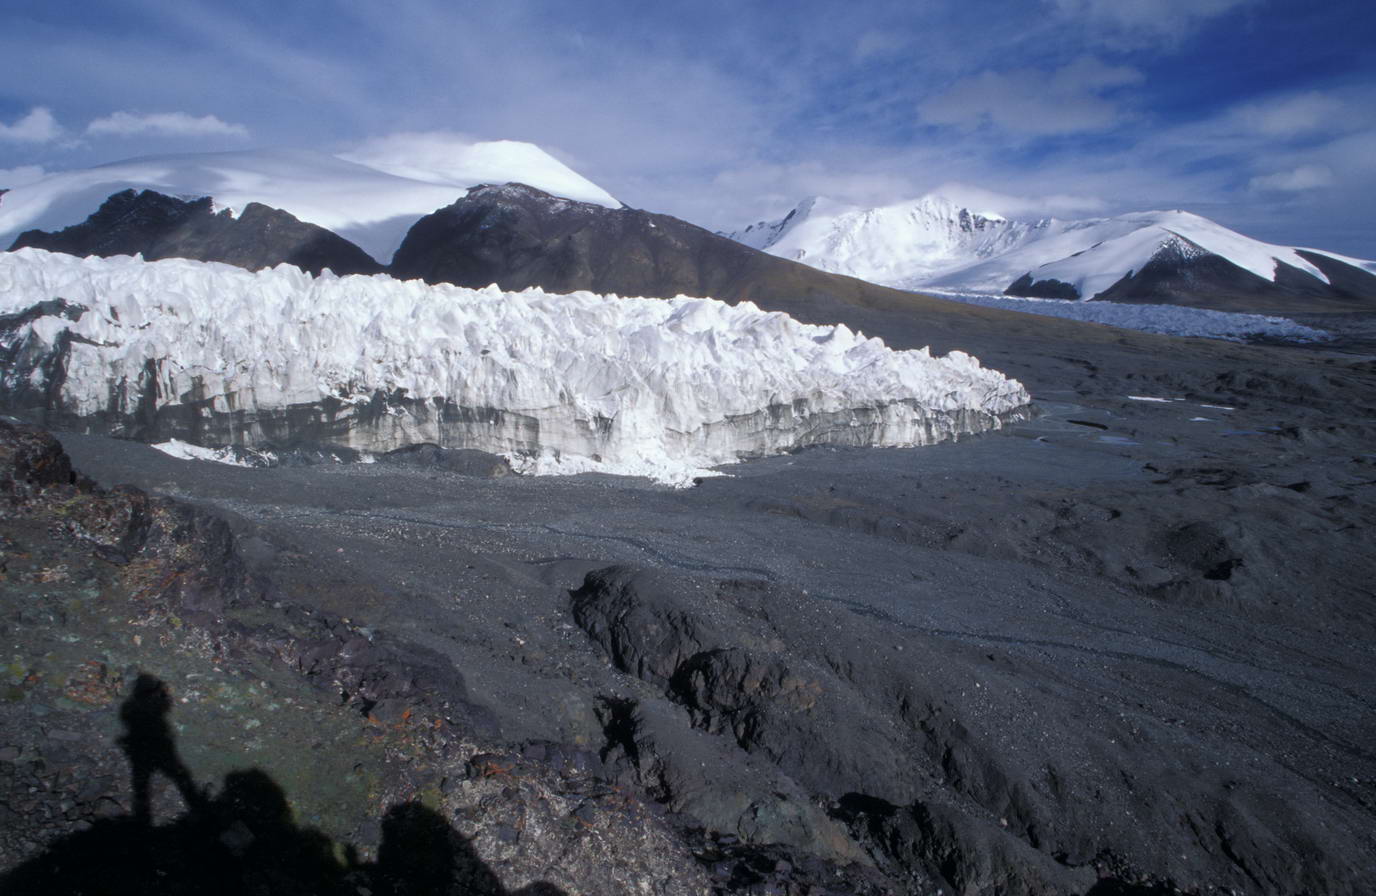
{"x": 1259, "y": 114}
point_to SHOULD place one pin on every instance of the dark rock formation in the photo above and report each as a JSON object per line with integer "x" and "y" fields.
{"x": 1026, "y": 287}
{"x": 159, "y": 226}
{"x": 517, "y": 237}
{"x": 1344, "y": 278}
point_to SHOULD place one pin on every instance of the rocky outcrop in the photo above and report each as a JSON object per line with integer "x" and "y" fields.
{"x": 953, "y": 766}
{"x": 147, "y": 222}
{"x": 1026, "y": 287}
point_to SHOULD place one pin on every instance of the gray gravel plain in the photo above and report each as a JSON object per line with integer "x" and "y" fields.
{"x": 1127, "y": 643}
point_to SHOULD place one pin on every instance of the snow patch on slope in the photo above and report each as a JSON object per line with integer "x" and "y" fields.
{"x": 371, "y": 205}
{"x": 641, "y": 386}
{"x": 225, "y": 455}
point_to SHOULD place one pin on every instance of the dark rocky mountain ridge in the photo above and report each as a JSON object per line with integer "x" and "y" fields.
{"x": 517, "y": 236}
{"x": 147, "y": 222}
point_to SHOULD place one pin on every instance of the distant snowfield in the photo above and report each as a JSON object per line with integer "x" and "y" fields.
{"x": 371, "y": 198}
{"x": 1169, "y": 320}
{"x": 561, "y": 383}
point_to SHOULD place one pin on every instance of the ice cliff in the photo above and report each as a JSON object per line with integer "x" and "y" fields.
{"x": 217, "y": 355}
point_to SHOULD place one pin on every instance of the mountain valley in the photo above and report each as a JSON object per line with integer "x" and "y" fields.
{"x": 1108, "y": 632}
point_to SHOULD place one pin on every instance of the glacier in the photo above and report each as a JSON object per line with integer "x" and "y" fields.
{"x": 1167, "y": 320}
{"x": 214, "y": 355}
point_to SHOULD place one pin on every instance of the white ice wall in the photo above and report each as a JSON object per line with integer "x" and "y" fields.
{"x": 636, "y": 385}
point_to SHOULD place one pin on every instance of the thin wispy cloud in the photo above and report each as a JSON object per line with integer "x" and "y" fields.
{"x": 1296, "y": 180}
{"x": 1062, "y": 204}
{"x": 1028, "y": 103}
{"x": 18, "y": 177}
{"x": 167, "y": 124}
{"x": 1137, "y": 22}
{"x": 877, "y": 44}
{"x": 1290, "y": 115}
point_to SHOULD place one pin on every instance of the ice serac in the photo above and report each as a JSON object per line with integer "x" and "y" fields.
{"x": 216, "y": 355}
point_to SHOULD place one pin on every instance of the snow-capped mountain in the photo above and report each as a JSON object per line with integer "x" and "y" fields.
{"x": 891, "y": 245}
{"x": 370, "y": 199}
{"x": 1176, "y": 256}
{"x": 218, "y": 355}
{"x": 1092, "y": 256}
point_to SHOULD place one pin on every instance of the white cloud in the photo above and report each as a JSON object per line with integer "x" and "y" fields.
{"x": 446, "y": 157}
{"x": 429, "y": 155}
{"x": 1297, "y": 180}
{"x": 164, "y": 124}
{"x": 1353, "y": 156}
{"x": 1144, "y": 21}
{"x": 1034, "y": 103}
{"x": 981, "y": 199}
{"x": 18, "y": 177}
{"x": 38, "y": 126}
{"x": 1291, "y": 115}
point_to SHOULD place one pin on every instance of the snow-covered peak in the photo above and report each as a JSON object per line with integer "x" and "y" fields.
{"x": 1093, "y": 255}
{"x": 366, "y": 204}
{"x": 765, "y": 234}
{"x": 935, "y": 241}
{"x": 1249, "y": 254}
{"x": 890, "y": 244}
